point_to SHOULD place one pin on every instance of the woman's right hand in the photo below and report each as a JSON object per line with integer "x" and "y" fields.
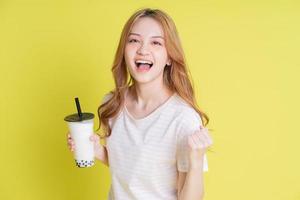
{"x": 71, "y": 144}
{"x": 94, "y": 138}
{"x": 99, "y": 149}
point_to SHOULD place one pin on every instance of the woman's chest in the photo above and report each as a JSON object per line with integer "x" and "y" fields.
{"x": 144, "y": 147}
{"x": 138, "y": 159}
{"x": 158, "y": 131}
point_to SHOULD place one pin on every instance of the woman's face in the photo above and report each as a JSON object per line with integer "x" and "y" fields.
{"x": 145, "y": 51}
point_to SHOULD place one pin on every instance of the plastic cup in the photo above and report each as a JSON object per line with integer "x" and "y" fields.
{"x": 81, "y": 127}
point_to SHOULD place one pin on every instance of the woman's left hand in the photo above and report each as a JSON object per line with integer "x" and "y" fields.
{"x": 198, "y": 143}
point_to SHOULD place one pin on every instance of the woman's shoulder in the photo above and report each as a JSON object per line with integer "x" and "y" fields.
{"x": 185, "y": 110}
{"x": 182, "y": 106}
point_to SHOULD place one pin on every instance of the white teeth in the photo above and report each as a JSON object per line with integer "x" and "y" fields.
{"x": 143, "y": 62}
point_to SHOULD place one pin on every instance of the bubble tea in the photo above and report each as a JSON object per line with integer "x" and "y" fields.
{"x": 81, "y": 128}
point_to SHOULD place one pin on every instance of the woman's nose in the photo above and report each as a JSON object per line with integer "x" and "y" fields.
{"x": 143, "y": 50}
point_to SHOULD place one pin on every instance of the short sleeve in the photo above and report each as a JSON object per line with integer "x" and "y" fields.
{"x": 189, "y": 123}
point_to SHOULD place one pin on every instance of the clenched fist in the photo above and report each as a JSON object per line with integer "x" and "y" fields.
{"x": 198, "y": 143}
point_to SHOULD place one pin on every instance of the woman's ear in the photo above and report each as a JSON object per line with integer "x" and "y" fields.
{"x": 169, "y": 63}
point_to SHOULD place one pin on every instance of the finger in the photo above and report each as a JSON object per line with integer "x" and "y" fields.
{"x": 196, "y": 139}
{"x": 191, "y": 142}
{"x": 196, "y": 142}
{"x": 207, "y": 137}
{"x": 200, "y": 139}
{"x": 70, "y": 141}
{"x": 71, "y": 146}
{"x": 203, "y": 134}
{"x": 94, "y": 137}
{"x": 210, "y": 141}
{"x": 206, "y": 134}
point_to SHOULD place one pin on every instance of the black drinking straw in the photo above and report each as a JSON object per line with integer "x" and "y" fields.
{"x": 78, "y": 108}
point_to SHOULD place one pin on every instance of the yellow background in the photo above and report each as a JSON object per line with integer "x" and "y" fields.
{"x": 244, "y": 57}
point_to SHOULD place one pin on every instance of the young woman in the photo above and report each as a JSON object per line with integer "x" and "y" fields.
{"x": 155, "y": 141}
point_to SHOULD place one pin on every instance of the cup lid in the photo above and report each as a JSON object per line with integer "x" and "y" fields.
{"x": 75, "y": 117}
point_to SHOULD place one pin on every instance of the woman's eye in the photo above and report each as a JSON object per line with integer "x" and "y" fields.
{"x": 156, "y": 43}
{"x": 133, "y": 40}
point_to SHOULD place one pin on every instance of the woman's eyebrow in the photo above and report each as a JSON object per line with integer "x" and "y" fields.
{"x": 151, "y": 36}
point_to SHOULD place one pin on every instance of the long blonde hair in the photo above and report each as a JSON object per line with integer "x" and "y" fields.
{"x": 176, "y": 76}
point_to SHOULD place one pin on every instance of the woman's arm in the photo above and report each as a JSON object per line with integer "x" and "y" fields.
{"x": 102, "y": 155}
{"x": 180, "y": 182}
{"x": 190, "y": 184}
{"x": 100, "y": 149}
{"x": 193, "y": 187}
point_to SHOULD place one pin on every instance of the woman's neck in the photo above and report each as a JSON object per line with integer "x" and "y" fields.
{"x": 145, "y": 96}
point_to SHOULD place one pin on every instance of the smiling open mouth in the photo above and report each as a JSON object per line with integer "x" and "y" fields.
{"x": 143, "y": 65}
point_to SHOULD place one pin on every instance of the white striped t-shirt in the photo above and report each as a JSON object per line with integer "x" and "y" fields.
{"x": 144, "y": 154}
